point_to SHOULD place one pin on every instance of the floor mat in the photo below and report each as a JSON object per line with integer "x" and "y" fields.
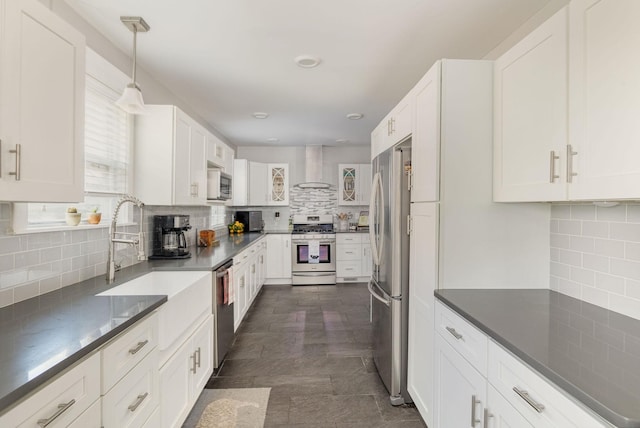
{"x": 229, "y": 408}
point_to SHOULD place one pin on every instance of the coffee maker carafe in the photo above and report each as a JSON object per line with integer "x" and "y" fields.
{"x": 169, "y": 241}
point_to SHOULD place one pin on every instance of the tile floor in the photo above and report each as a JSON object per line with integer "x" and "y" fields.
{"x": 312, "y": 346}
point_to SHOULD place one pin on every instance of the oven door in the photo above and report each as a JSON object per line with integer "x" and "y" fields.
{"x": 300, "y": 256}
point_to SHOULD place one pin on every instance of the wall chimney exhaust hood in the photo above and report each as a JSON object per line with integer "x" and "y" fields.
{"x": 313, "y": 170}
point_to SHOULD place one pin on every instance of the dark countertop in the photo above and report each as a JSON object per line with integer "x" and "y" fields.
{"x": 591, "y": 353}
{"x": 42, "y": 336}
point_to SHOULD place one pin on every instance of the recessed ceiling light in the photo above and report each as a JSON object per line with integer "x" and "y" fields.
{"x": 341, "y": 141}
{"x": 355, "y": 116}
{"x": 307, "y": 61}
{"x": 260, "y": 115}
{"x": 272, "y": 140}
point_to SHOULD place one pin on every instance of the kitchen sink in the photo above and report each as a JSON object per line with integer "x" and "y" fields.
{"x": 188, "y": 299}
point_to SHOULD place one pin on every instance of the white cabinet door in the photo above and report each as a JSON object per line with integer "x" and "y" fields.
{"x": 240, "y": 182}
{"x": 278, "y": 258}
{"x": 377, "y": 140}
{"x": 399, "y": 121}
{"x": 348, "y": 180}
{"x": 278, "y": 181}
{"x": 174, "y": 386}
{"x": 258, "y": 186}
{"x": 42, "y": 75}
{"x": 530, "y": 116}
{"x": 240, "y": 286}
{"x": 286, "y": 256}
{"x": 423, "y": 278}
{"x": 459, "y": 389}
{"x": 425, "y": 148}
{"x": 190, "y": 165}
{"x": 604, "y": 98}
{"x": 501, "y": 414}
{"x": 202, "y": 366}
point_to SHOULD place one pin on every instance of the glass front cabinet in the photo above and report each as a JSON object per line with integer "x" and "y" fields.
{"x": 354, "y": 184}
{"x": 278, "y": 193}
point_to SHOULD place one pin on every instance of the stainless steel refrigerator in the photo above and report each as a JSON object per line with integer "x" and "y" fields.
{"x": 389, "y": 285}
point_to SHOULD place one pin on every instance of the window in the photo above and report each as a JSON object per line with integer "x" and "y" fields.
{"x": 107, "y": 148}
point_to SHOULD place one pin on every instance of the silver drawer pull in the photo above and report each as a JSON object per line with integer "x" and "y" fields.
{"x": 193, "y": 368}
{"x": 18, "y": 152}
{"x": 198, "y": 357}
{"x": 454, "y": 333}
{"x": 487, "y": 416}
{"x": 138, "y": 402}
{"x": 138, "y": 347}
{"x": 61, "y": 409}
{"x": 530, "y": 401}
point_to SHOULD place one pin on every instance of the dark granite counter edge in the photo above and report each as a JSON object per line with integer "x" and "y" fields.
{"x": 569, "y": 388}
{"x": 16, "y": 396}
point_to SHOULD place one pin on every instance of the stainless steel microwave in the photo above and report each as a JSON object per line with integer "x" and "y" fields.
{"x": 218, "y": 185}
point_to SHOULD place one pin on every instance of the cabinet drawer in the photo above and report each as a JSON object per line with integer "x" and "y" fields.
{"x": 349, "y": 252}
{"x": 470, "y": 342}
{"x": 555, "y": 409}
{"x": 348, "y": 269}
{"x": 132, "y": 400}
{"x": 127, "y": 350}
{"x": 348, "y": 238}
{"x": 68, "y": 396}
{"x": 90, "y": 418}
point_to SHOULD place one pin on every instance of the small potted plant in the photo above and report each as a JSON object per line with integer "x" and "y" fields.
{"x": 94, "y": 216}
{"x": 73, "y": 216}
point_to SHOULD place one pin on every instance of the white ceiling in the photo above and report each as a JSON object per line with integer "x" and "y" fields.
{"x": 228, "y": 59}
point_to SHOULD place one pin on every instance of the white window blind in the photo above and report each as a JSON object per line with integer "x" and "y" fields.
{"x": 106, "y": 140}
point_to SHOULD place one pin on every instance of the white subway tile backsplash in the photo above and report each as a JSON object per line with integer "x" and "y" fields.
{"x": 6, "y": 262}
{"x": 625, "y": 231}
{"x": 632, "y": 288}
{"x": 594, "y": 262}
{"x": 6, "y": 297}
{"x": 573, "y": 258}
{"x": 617, "y": 213}
{"x": 594, "y": 296}
{"x": 625, "y": 268}
{"x": 583, "y": 276}
{"x": 595, "y": 229}
{"x": 555, "y": 226}
{"x": 26, "y": 291}
{"x": 49, "y": 284}
{"x": 605, "y": 247}
{"x": 561, "y": 270}
{"x": 561, "y": 241}
{"x": 560, "y": 211}
{"x": 633, "y": 213}
{"x": 570, "y": 288}
{"x": 625, "y": 305}
{"x": 554, "y": 254}
{"x": 572, "y": 227}
{"x": 10, "y": 244}
{"x": 584, "y": 245}
{"x": 632, "y": 251}
{"x": 26, "y": 258}
{"x": 50, "y": 254}
{"x": 613, "y": 284}
{"x": 583, "y": 212}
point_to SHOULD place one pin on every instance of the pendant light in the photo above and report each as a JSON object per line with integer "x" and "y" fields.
{"x": 131, "y": 100}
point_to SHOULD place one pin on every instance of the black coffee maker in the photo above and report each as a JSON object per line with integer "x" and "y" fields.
{"x": 169, "y": 241}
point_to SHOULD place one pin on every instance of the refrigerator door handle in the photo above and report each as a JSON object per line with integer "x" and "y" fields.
{"x": 376, "y": 193}
{"x": 376, "y": 295}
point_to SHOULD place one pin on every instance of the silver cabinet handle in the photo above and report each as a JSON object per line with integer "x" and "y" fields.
{"x": 487, "y": 416}
{"x": 570, "y": 155}
{"x": 474, "y": 402}
{"x": 138, "y": 402}
{"x": 18, "y": 153}
{"x": 198, "y": 357}
{"x": 454, "y": 333}
{"x": 552, "y": 166}
{"x": 138, "y": 347}
{"x": 61, "y": 409}
{"x": 393, "y": 126}
{"x": 538, "y": 407}
{"x": 193, "y": 366}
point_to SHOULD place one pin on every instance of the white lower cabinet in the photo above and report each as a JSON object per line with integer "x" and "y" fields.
{"x": 134, "y": 398}
{"x": 353, "y": 257}
{"x": 278, "y": 259}
{"x": 185, "y": 374}
{"x": 249, "y": 268}
{"x": 91, "y": 417}
{"x": 63, "y": 400}
{"x": 479, "y": 384}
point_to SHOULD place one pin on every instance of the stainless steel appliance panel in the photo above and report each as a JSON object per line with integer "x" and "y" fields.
{"x": 222, "y": 314}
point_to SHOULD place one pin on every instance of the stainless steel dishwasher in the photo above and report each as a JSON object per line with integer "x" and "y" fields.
{"x": 222, "y": 313}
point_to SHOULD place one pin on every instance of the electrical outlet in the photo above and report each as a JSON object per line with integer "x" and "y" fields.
{"x": 277, "y": 213}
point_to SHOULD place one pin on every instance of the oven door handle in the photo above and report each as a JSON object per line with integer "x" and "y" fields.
{"x": 375, "y": 295}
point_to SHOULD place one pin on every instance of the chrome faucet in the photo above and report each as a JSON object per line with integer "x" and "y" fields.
{"x": 136, "y": 239}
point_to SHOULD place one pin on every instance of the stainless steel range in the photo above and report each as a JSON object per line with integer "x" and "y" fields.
{"x": 313, "y": 245}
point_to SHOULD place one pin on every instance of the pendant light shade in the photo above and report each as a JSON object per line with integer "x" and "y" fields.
{"x": 131, "y": 100}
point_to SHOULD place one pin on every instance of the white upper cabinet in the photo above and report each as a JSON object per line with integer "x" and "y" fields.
{"x": 604, "y": 101}
{"x": 258, "y": 184}
{"x": 219, "y": 154}
{"x": 425, "y": 168}
{"x": 566, "y": 122}
{"x": 354, "y": 184}
{"x": 530, "y": 116}
{"x": 42, "y": 75}
{"x": 395, "y": 127}
{"x": 170, "y": 165}
{"x": 278, "y": 181}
